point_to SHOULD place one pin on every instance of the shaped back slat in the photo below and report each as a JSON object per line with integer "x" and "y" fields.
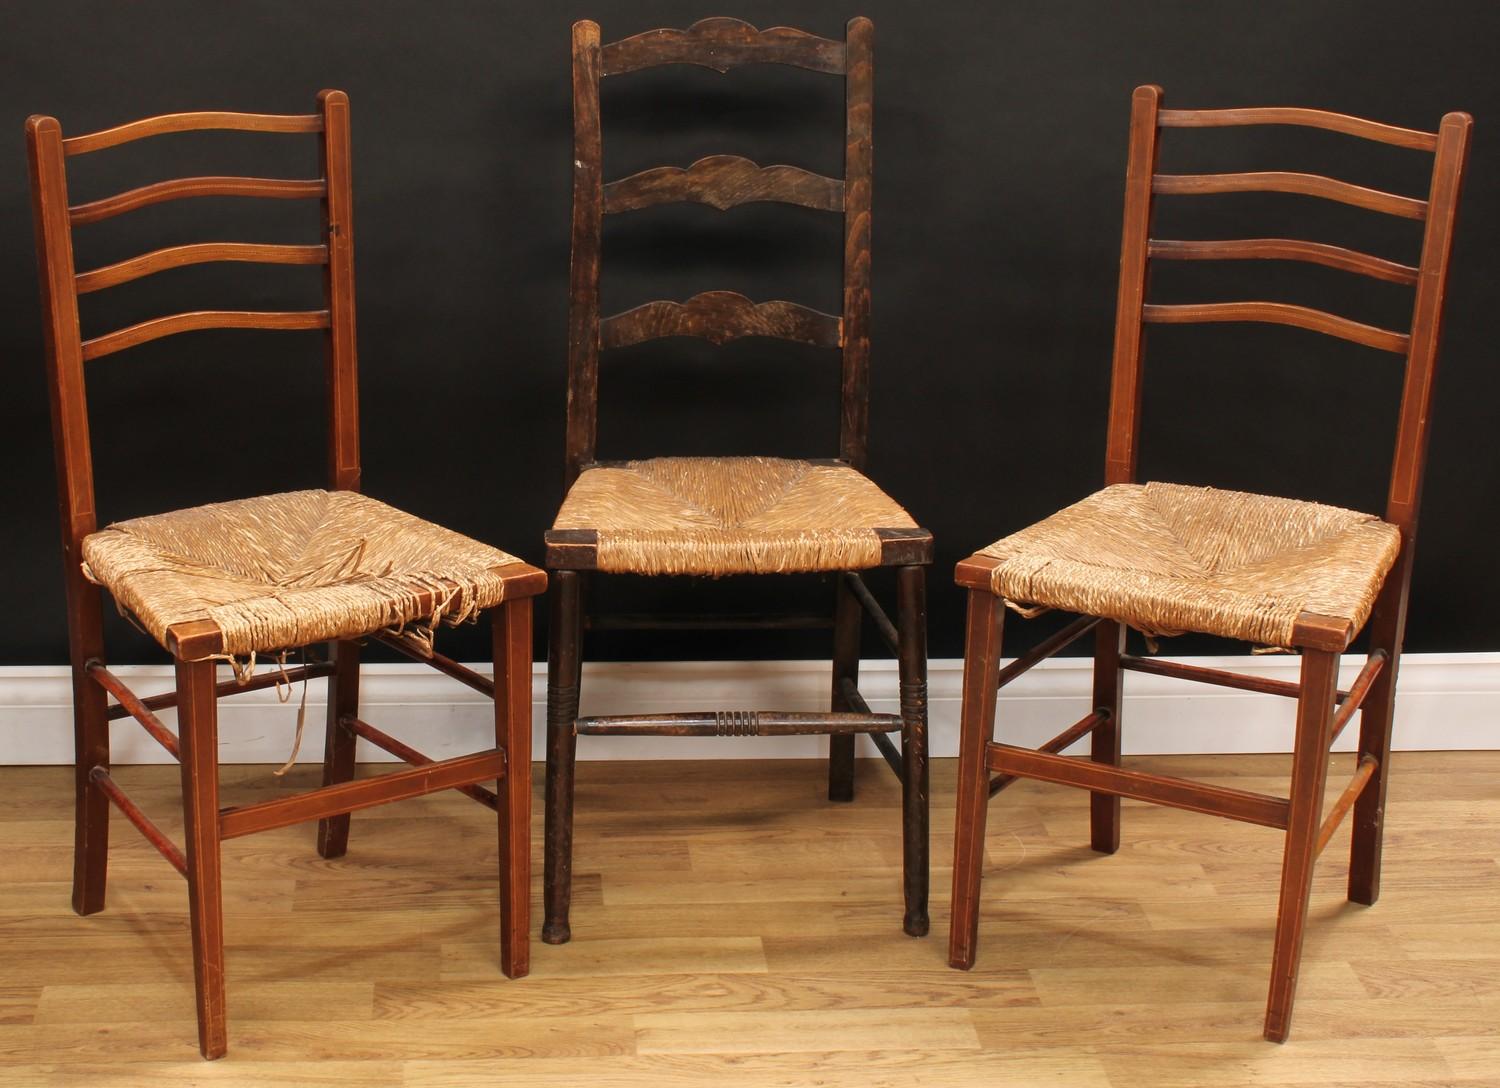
{"x": 724, "y": 182}
{"x": 718, "y": 317}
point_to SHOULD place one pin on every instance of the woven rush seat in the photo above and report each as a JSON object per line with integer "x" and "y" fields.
{"x": 731, "y": 515}
{"x": 1170, "y": 558}
{"x": 291, "y": 569}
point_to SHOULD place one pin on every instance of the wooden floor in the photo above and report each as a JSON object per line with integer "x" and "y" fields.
{"x": 732, "y": 927}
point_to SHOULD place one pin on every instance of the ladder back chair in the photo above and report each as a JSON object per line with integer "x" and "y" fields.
{"x": 262, "y": 575}
{"x": 714, "y": 516}
{"x": 1166, "y": 558}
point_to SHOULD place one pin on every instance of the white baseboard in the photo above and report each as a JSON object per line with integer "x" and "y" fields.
{"x": 1445, "y": 701}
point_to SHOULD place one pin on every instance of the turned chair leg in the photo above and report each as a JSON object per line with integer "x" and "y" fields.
{"x": 511, "y": 638}
{"x": 911, "y": 622}
{"x": 198, "y": 737}
{"x": 1315, "y": 708}
{"x": 564, "y": 672}
{"x": 1104, "y": 808}
{"x": 338, "y": 748}
{"x": 848, "y": 621}
{"x": 977, "y": 730}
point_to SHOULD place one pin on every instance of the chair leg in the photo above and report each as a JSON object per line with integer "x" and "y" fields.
{"x": 911, "y": 599}
{"x": 564, "y": 671}
{"x": 91, "y": 806}
{"x": 1309, "y": 776}
{"x": 848, "y": 621}
{"x": 198, "y": 736}
{"x": 977, "y": 730}
{"x": 90, "y": 750}
{"x": 338, "y": 748}
{"x": 511, "y": 637}
{"x": 1377, "y": 716}
{"x": 1104, "y": 808}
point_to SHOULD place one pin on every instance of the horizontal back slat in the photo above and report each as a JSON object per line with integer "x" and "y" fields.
{"x": 1285, "y": 249}
{"x": 176, "y": 256}
{"x": 724, "y": 181}
{"x": 178, "y": 188}
{"x": 718, "y": 317}
{"x": 1281, "y": 181}
{"x": 158, "y": 327}
{"x": 1279, "y": 313}
{"x": 722, "y": 44}
{"x": 1285, "y": 115}
{"x": 191, "y": 122}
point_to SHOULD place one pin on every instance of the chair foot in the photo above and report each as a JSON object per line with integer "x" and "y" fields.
{"x": 1277, "y": 1032}
{"x": 556, "y": 933}
{"x": 916, "y": 924}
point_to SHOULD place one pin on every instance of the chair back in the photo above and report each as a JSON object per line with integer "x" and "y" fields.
{"x": 61, "y": 284}
{"x": 1417, "y": 344}
{"x": 721, "y": 181}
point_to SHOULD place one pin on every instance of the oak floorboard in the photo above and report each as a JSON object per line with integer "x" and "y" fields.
{"x": 732, "y": 926}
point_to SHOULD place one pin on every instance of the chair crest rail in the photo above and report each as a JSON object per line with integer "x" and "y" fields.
{"x": 1308, "y": 118}
{"x": 722, "y": 44}
{"x": 191, "y": 122}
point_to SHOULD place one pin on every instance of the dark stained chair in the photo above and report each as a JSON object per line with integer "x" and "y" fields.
{"x": 1166, "y": 558}
{"x": 263, "y": 575}
{"x": 732, "y": 515}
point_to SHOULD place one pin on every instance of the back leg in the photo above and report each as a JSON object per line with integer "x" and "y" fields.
{"x": 90, "y": 749}
{"x": 848, "y": 619}
{"x": 339, "y": 747}
{"x": 1104, "y": 808}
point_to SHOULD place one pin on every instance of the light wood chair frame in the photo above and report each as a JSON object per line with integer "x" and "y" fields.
{"x": 194, "y": 644}
{"x": 1323, "y": 709}
{"x": 725, "y": 181}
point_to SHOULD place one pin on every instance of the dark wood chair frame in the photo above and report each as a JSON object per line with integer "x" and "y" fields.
{"x": 725, "y": 181}
{"x": 1323, "y": 710}
{"x": 192, "y": 644}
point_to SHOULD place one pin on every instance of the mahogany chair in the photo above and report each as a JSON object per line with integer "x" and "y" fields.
{"x": 732, "y": 515}
{"x": 231, "y": 580}
{"x": 1166, "y": 558}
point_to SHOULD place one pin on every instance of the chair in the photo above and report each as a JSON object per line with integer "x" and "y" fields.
{"x": 232, "y": 580}
{"x": 717, "y": 516}
{"x": 1167, "y": 558}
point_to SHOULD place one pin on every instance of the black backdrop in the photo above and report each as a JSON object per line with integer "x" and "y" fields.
{"x": 999, "y": 159}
